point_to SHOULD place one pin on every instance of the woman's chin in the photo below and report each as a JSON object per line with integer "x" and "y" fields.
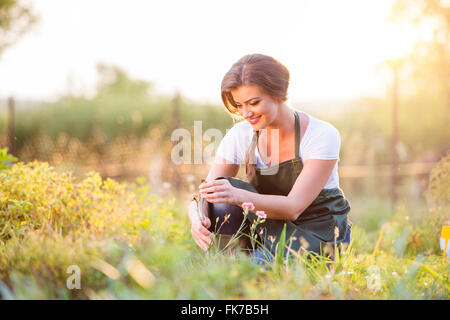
{"x": 259, "y": 125}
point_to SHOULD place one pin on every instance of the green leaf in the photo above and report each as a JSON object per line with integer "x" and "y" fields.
{"x": 5, "y": 157}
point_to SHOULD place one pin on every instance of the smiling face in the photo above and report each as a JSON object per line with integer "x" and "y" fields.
{"x": 257, "y": 107}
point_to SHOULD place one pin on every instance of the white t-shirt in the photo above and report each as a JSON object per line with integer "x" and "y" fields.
{"x": 320, "y": 141}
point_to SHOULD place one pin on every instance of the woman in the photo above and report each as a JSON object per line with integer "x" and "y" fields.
{"x": 296, "y": 185}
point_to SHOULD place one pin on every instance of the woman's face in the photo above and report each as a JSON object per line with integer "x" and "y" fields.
{"x": 258, "y": 108}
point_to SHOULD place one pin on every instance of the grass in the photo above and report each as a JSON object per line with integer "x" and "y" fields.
{"x": 130, "y": 244}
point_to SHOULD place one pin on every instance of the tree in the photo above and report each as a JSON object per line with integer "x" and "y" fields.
{"x": 430, "y": 59}
{"x": 16, "y": 19}
{"x": 425, "y": 81}
{"x": 115, "y": 82}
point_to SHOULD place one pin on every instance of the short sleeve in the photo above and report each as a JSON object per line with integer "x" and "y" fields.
{"x": 324, "y": 144}
{"x": 233, "y": 145}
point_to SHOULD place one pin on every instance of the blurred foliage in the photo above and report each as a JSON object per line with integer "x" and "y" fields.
{"x": 430, "y": 59}
{"x": 5, "y": 158}
{"x": 125, "y": 106}
{"x": 127, "y": 117}
{"x": 115, "y": 83}
{"x": 424, "y": 96}
{"x": 35, "y": 198}
{"x": 50, "y": 221}
{"x": 366, "y": 130}
{"x": 122, "y": 106}
{"x": 16, "y": 18}
{"x": 131, "y": 244}
{"x": 439, "y": 187}
{"x": 126, "y": 111}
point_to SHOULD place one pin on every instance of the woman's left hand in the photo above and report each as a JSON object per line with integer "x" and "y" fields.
{"x": 221, "y": 191}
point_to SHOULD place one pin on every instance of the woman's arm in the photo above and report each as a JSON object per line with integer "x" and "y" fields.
{"x": 199, "y": 230}
{"x": 222, "y": 168}
{"x": 309, "y": 183}
{"x": 307, "y": 187}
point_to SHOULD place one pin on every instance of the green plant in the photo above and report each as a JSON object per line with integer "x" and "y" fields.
{"x": 5, "y": 157}
{"x": 132, "y": 244}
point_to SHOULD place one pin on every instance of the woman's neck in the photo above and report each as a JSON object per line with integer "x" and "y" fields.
{"x": 284, "y": 122}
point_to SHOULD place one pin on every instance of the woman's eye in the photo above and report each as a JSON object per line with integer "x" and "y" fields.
{"x": 254, "y": 103}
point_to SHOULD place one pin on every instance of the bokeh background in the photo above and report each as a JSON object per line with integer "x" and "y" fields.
{"x": 101, "y": 85}
{"x": 96, "y": 88}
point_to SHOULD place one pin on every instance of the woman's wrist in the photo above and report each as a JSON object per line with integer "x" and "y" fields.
{"x": 192, "y": 210}
{"x": 241, "y": 197}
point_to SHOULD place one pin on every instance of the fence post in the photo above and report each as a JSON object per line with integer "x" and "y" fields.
{"x": 177, "y": 181}
{"x": 394, "y": 181}
{"x": 10, "y": 126}
{"x": 176, "y": 110}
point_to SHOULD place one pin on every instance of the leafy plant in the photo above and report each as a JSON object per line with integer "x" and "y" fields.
{"x": 5, "y": 158}
{"x": 132, "y": 244}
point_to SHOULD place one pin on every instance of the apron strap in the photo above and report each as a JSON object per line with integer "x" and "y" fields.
{"x": 255, "y": 137}
{"x": 252, "y": 157}
{"x": 297, "y": 134}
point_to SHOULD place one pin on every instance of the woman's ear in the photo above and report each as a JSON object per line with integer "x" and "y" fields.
{"x": 279, "y": 101}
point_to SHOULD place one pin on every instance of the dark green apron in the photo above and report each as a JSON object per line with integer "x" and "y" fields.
{"x": 314, "y": 228}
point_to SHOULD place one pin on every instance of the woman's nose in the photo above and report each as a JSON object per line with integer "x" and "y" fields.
{"x": 246, "y": 112}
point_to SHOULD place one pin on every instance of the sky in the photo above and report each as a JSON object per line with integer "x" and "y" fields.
{"x": 333, "y": 49}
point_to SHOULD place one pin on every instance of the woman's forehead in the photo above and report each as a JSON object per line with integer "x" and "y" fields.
{"x": 246, "y": 92}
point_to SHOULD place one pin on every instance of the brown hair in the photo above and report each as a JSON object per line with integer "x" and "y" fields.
{"x": 270, "y": 75}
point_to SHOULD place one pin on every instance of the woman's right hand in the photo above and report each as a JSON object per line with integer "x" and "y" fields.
{"x": 199, "y": 230}
{"x": 200, "y": 233}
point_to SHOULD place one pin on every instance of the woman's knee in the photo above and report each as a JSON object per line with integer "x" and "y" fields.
{"x": 225, "y": 218}
{"x": 237, "y": 183}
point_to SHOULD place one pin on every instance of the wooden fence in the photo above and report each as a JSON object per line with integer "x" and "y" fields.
{"x": 404, "y": 169}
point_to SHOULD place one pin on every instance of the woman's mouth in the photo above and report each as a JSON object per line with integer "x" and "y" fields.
{"x": 254, "y": 120}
